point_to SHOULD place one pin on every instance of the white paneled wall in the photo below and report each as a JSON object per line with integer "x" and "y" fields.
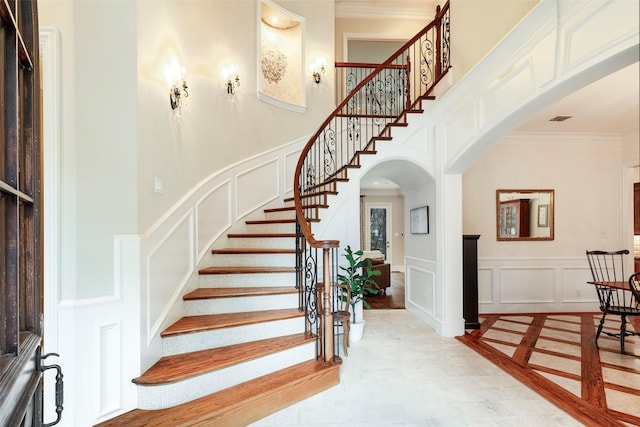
{"x": 521, "y": 285}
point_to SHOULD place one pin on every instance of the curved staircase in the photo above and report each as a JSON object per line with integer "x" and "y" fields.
{"x": 240, "y": 352}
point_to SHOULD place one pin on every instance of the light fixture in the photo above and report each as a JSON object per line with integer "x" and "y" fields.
{"x": 232, "y": 82}
{"x": 175, "y": 77}
{"x": 176, "y": 93}
{"x": 317, "y": 69}
{"x": 318, "y": 73}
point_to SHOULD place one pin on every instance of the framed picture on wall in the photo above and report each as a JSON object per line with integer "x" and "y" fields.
{"x": 543, "y": 215}
{"x": 419, "y": 220}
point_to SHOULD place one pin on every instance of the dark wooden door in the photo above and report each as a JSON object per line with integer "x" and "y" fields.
{"x": 20, "y": 216}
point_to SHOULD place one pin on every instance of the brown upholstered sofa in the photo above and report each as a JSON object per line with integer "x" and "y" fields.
{"x": 377, "y": 261}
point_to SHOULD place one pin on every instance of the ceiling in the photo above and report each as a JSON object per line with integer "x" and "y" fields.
{"x": 610, "y": 105}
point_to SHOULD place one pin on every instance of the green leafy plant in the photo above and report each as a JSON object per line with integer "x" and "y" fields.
{"x": 358, "y": 275}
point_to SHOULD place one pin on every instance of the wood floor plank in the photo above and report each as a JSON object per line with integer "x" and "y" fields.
{"x": 182, "y": 366}
{"x": 208, "y": 322}
{"x": 591, "y": 370}
{"x": 528, "y": 342}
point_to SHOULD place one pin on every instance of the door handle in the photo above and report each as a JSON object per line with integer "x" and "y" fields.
{"x": 59, "y": 387}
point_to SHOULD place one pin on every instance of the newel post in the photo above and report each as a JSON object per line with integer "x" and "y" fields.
{"x": 326, "y": 305}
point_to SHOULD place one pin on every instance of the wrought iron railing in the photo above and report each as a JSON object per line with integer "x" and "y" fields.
{"x": 372, "y": 104}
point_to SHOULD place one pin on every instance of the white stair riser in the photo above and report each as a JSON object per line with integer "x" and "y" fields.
{"x": 253, "y": 260}
{"x": 263, "y": 242}
{"x": 229, "y": 336}
{"x": 271, "y": 228}
{"x": 240, "y": 304}
{"x": 169, "y": 395}
{"x": 240, "y": 280}
{"x": 288, "y": 214}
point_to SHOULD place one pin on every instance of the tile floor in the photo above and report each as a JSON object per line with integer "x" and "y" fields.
{"x": 404, "y": 374}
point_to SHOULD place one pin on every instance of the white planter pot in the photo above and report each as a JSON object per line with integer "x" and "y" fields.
{"x": 356, "y": 331}
{"x": 359, "y": 311}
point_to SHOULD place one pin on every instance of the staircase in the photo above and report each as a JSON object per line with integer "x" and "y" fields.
{"x": 240, "y": 352}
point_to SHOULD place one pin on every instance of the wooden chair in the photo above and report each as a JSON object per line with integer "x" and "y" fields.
{"x": 341, "y": 314}
{"x": 616, "y": 300}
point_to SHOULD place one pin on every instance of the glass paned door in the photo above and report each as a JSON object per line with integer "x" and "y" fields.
{"x": 379, "y": 228}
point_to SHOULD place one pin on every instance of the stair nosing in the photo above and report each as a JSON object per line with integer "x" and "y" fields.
{"x": 261, "y": 235}
{"x": 252, "y": 251}
{"x": 216, "y": 293}
{"x": 243, "y": 269}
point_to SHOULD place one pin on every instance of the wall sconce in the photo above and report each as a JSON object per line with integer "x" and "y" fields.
{"x": 317, "y": 70}
{"x": 176, "y": 93}
{"x": 232, "y": 83}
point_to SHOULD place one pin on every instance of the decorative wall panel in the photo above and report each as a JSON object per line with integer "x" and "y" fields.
{"x": 256, "y": 186}
{"x": 213, "y": 214}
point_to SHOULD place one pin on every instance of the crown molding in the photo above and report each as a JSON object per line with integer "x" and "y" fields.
{"x": 384, "y": 10}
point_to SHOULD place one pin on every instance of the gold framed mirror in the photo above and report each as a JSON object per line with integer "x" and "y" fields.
{"x": 524, "y": 215}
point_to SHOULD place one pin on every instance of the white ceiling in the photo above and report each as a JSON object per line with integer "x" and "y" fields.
{"x": 610, "y": 105}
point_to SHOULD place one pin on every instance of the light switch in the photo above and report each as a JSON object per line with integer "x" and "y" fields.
{"x": 158, "y": 185}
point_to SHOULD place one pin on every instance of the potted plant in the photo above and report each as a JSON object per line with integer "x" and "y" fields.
{"x": 357, "y": 274}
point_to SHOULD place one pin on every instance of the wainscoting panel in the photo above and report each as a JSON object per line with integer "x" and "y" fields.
{"x": 256, "y": 187}
{"x": 575, "y": 287}
{"x": 290, "y": 163}
{"x": 169, "y": 265}
{"x": 485, "y": 285}
{"x": 110, "y": 368}
{"x": 526, "y": 285}
{"x": 421, "y": 291}
{"x": 213, "y": 213}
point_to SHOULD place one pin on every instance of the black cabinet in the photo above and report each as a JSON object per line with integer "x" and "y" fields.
{"x": 470, "y": 281}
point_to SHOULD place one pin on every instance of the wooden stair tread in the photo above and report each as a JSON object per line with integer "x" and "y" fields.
{"x": 241, "y": 404}
{"x": 271, "y": 221}
{"x": 208, "y": 322}
{"x": 243, "y": 251}
{"x": 260, "y": 235}
{"x": 208, "y": 293}
{"x": 178, "y": 367}
{"x": 241, "y": 269}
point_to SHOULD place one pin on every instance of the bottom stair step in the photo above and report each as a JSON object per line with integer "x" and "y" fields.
{"x": 241, "y": 404}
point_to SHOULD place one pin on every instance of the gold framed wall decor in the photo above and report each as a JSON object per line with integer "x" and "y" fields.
{"x": 281, "y": 39}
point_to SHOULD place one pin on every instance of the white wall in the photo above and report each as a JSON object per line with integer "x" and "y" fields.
{"x": 212, "y": 131}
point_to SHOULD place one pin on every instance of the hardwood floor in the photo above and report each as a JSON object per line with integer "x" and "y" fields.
{"x": 556, "y": 356}
{"x": 394, "y": 297}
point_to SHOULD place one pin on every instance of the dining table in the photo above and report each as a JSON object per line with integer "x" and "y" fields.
{"x": 612, "y": 284}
